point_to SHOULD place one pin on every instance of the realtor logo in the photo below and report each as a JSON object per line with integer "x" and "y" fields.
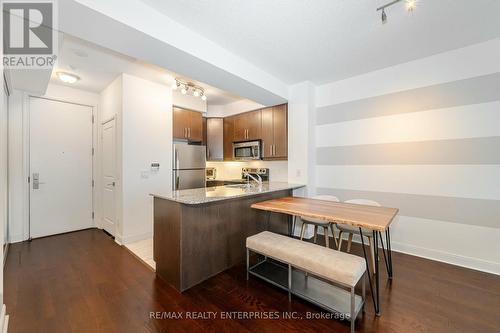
{"x": 29, "y": 34}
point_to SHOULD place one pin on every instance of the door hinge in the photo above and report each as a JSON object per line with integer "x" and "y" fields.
{"x": 92, "y": 215}
{"x": 92, "y": 151}
{"x": 29, "y": 180}
{"x": 92, "y": 183}
{"x": 92, "y": 119}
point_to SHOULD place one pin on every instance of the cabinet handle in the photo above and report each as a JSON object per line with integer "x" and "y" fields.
{"x": 185, "y": 132}
{"x": 189, "y": 132}
{"x": 274, "y": 150}
{"x": 270, "y": 150}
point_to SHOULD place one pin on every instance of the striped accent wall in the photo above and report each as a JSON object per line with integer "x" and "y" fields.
{"x": 431, "y": 151}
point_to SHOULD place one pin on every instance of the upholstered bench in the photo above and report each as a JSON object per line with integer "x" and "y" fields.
{"x": 315, "y": 273}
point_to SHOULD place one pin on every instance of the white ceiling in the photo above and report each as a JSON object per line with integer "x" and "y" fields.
{"x": 328, "y": 40}
{"x": 98, "y": 67}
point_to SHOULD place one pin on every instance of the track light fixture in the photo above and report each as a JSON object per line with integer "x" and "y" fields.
{"x": 189, "y": 88}
{"x": 410, "y": 6}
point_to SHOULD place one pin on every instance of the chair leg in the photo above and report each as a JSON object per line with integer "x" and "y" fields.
{"x": 315, "y": 234}
{"x": 340, "y": 241}
{"x": 372, "y": 253}
{"x": 327, "y": 238}
{"x": 349, "y": 243}
{"x": 333, "y": 235}
{"x": 302, "y": 230}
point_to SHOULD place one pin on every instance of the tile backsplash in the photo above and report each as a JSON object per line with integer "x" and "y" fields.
{"x": 278, "y": 170}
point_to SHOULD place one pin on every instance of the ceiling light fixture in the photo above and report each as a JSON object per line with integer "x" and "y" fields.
{"x": 67, "y": 77}
{"x": 410, "y": 6}
{"x": 188, "y": 88}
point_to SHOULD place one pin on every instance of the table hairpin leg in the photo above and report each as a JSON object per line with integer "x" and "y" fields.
{"x": 387, "y": 258}
{"x": 377, "y": 273}
{"x": 389, "y": 250}
{"x": 268, "y": 220}
{"x": 293, "y": 226}
{"x": 375, "y": 299}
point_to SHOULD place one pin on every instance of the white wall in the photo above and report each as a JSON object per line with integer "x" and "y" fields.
{"x": 3, "y": 176}
{"x": 188, "y": 102}
{"x": 423, "y": 136}
{"x": 19, "y": 151}
{"x": 301, "y": 150}
{"x": 147, "y": 138}
{"x": 233, "y": 108}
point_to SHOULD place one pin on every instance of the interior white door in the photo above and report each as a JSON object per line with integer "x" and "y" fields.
{"x": 60, "y": 167}
{"x": 108, "y": 181}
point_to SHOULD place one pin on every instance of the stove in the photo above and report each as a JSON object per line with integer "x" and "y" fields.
{"x": 262, "y": 172}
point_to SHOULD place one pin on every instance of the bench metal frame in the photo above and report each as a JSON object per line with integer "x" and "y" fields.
{"x": 309, "y": 275}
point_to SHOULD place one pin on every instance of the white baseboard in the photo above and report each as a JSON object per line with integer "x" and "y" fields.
{"x": 17, "y": 238}
{"x": 449, "y": 258}
{"x": 135, "y": 238}
{"x": 427, "y": 253}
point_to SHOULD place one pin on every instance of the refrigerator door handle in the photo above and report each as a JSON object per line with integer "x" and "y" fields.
{"x": 176, "y": 159}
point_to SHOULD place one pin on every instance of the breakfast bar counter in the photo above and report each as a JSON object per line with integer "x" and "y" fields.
{"x": 199, "y": 233}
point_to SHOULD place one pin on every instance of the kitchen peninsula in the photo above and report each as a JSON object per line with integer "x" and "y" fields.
{"x": 201, "y": 232}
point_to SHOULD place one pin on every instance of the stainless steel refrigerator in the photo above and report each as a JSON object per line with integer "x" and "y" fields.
{"x": 189, "y": 166}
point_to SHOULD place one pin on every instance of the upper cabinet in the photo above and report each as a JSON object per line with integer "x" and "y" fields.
{"x": 274, "y": 132}
{"x": 268, "y": 124}
{"x": 187, "y": 124}
{"x": 228, "y": 135}
{"x": 247, "y": 126}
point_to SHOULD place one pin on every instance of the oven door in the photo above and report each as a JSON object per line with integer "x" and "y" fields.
{"x": 246, "y": 150}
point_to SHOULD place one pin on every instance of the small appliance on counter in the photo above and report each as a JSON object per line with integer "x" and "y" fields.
{"x": 211, "y": 173}
{"x": 262, "y": 172}
{"x": 188, "y": 166}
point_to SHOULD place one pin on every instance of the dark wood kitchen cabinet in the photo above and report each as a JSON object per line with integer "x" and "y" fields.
{"x": 228, "y": 137}
{"x": 247, "y": 126}
{"x": 187, "y": 124}
{"x": 274, "y": 132}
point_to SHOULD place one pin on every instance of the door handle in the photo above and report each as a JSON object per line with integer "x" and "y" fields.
{"x": 111, "y": 184}
{"x": 36, "y": 181}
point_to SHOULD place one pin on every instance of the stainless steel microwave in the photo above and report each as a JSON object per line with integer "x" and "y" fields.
{"x": 249, "y": 150}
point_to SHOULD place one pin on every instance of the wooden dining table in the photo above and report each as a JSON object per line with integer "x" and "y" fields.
{"x": 374, "y": 218}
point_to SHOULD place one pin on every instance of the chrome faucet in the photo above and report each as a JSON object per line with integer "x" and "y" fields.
{"x": 258, "y": 180}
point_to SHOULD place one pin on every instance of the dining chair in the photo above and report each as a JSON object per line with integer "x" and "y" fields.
{"x": 317, "y": 223}
{"x": 350, "y": 230}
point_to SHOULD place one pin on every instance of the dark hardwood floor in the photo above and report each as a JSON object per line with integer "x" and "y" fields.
{"x": 84, "y": 282}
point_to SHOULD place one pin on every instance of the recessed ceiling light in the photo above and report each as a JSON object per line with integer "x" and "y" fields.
{"x": 204, "y": 97}
{"x": 67, "y": 77}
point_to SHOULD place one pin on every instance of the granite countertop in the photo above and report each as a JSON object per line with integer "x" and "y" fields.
{"x": 204, "y": 195}
{"x": 235, "y": 180}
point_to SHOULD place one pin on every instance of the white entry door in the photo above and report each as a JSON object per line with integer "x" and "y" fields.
{"x": 108, "y": 181}
{"x": 60, "y": 167}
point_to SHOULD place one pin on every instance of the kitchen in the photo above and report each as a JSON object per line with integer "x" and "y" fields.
{"x": 220, "y": 164}
{"x": 215, "y": 157}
